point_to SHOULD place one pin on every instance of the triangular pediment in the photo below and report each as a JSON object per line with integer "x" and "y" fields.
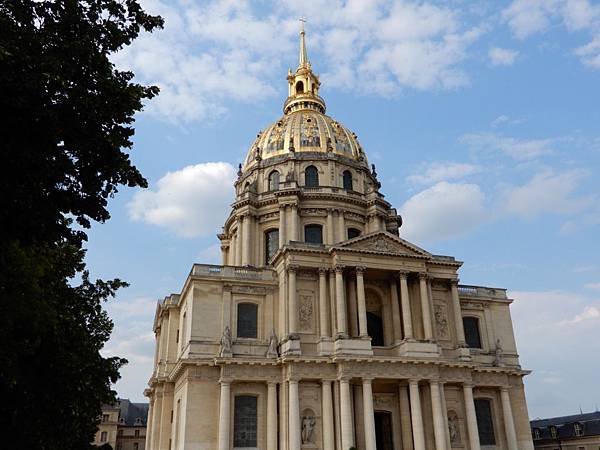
{"x": 383, "y": 242}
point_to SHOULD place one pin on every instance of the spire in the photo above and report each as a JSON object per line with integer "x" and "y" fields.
{"x": 303, "y": 59}
{"x": 303, "y": 84}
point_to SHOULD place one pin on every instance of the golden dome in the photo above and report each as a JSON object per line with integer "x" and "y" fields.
{"x": 304, "y": 127}
{"x": 305, "y": 130}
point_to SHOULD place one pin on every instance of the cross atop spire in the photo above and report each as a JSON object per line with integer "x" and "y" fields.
{"x": 303, "y": 59}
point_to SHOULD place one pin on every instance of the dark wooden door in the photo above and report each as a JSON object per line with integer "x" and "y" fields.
{"x": 383, "y": 430}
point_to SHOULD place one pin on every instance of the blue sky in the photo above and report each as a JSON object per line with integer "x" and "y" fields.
{"x": 482, "y": 119}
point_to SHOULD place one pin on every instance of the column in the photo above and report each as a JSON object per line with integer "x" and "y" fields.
{"x": 425, "y": 309}
{"x": 283, "y": 417}
{"x": 352, "y": 306}
{"x": 328, "y": 431}
{"x": 271, "y": 416}
{"x": 294, "y": 423}
{"x": 340, "y": 301}
{"x": 232, "y": 249}
{"x": 458, "y": 323}
{"x": 471, "y": 418}
{"x": 292, "y": 300}
{"x": 341, "y": 227}
{"x": 346, "y": 415}
{"x": 238, "y": 241}
{"x": 165, "y": 420}
{"x": 282, "y": 227}
{"x": 332, "y": 302}
{"x": 405, "y": 299}
{"x": 509, "y": 423}
{"x": 149, "y": 423}
{"x": 368, "y": 414}
{"x": 247, "y": 233}
{"x": 395, "y": 313}
{"x": 323, "y": 310}
{"x": 405, "y": 425}
{"x": 293, "y": 223}
{"x": 224, "y": 415}
{"x": 330, "y": 232}
{"x": 156, "y": 425}
{"x": 416, "y": 415}
{"x": 362, "y": 305}
{"x": 439, "y": 426}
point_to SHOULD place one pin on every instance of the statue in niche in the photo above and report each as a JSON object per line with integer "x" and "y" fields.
{"x": 498, "y": 354}
{"x": 272, "y": 350}
{"x": 308, "y": 426}
{"x": 453, "y": 429}
{"x": 226, "y": 340}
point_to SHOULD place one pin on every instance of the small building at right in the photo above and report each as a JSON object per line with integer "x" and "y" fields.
{"x": 576, "y": 432}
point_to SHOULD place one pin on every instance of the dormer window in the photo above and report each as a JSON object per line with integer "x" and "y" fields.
{"x": 553, "y": 432}
{"x": 578, "y": 429}
{"x": 536, "y": 434}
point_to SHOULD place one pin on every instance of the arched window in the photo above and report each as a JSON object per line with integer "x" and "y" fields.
{"x": 313, "y": 234}
{"x": 375, "y": 329}
{"x": 485, "y": 424}
{"x": 247, "y": 318}
{"x": 347, "y": 176}
{"x": 311, "y": 177}
{"x": 578, "y": 429}
{"x": 472, "y": 336}
{"x": 353, "y": 232}
{"x": 271, "y": 244}
{"x": 274, "y": 181}
{"x": 245, "y": 421}
{"x": 299, "y": 87}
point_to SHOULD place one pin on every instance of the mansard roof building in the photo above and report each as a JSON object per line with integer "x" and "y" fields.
{"x": 323, "y": 328}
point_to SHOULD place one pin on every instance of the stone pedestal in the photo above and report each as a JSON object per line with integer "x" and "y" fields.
{"x": 360, "y": 347}
{"x": 415, "y": 349}
{"x": 325, "y": 346}
{"x": 291, "y": 346}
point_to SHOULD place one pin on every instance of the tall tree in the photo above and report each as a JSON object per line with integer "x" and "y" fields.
{"x": 66, "y": 129}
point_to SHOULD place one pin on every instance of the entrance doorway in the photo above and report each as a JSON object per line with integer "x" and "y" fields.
{"x": 383, "y": 430}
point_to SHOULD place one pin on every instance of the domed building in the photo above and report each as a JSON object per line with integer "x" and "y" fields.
{"x": 323, "y": 328}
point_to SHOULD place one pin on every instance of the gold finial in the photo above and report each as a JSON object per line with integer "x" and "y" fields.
{"x": 303, "y": 60}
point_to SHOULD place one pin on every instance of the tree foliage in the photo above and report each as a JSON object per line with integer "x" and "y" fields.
{"x": 67, "y": 125}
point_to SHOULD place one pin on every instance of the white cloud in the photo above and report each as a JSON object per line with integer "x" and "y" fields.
{"x": 191, "y": 202}
{"x": 590, "y": 53}
{"x": 221, "y": 50}
{"x": 504, "y": 119}
{"x": 442, "y": 171}
{"x": 588, "y": 313}
{"x": 502, "y": 56}
{"x": 546, "y": 192}
{"x": 526, "y": 17}
{"x": 520, "y": 149}
{"x": 443, "y": 211}
{"x": 540, "y": 329}
{"x": 595, "y": 286}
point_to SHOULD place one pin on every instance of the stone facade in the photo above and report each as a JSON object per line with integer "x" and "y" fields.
{"x": 576, "y": 432}
{"x": 123, "y": 426}
{"x": 323, "y": 328}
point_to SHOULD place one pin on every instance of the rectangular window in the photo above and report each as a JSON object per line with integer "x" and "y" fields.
{"x": 136, "y": 446}
{"x": 245, "y": 421}
{"x": 105, "y": 417}
{"x": 247, "y": 318}
{"x": 472, "y": 336}
{"x": 103, "y": 436}
{"x": 485, "y": 424}
{"x": 137, "y": 433}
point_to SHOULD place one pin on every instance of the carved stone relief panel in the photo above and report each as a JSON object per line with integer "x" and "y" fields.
{"x": 306, "y": 311}
{"x": 384, "y": 401}
{"x": 440, "y": 312}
